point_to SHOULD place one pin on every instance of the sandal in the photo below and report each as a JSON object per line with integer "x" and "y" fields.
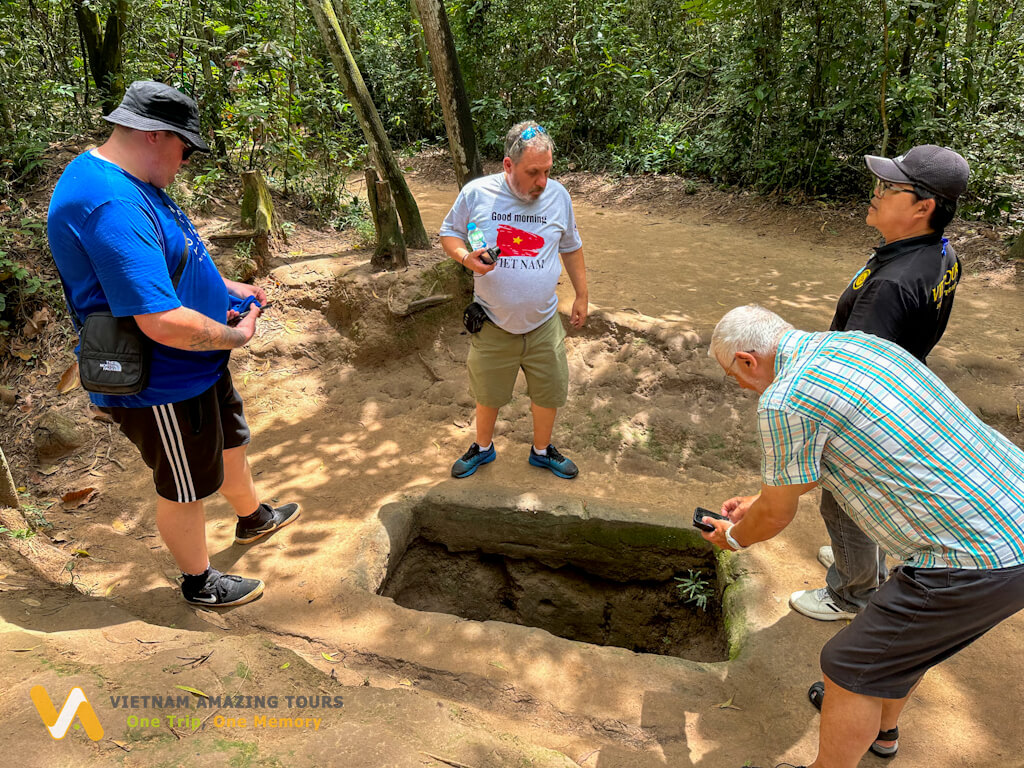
{"x": 893, "y": 734}
{"x": 816, "y": 695}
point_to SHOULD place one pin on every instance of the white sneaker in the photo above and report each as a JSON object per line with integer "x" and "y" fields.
{"x": 817, "y": 604}
{"x": 825, "y": 556}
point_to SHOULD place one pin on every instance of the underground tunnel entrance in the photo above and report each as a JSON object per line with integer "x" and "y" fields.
{"x": 647, "y": 588}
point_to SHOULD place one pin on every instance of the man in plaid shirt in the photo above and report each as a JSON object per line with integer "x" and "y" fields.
{"x": 916, "y": 470}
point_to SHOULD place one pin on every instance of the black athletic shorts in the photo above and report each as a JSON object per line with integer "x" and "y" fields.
{"x": 183, "y": 442}
{"x": 918, "y": 618}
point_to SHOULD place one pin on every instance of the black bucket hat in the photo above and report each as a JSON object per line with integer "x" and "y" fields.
{"x": 152, "y": 106}
{"x": 937, "y": 169}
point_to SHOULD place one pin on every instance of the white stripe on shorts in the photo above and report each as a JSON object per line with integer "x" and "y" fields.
{"x": 174, "y": 448}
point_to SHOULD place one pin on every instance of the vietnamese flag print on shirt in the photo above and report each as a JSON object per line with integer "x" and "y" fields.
{"x": 518, "y": 242}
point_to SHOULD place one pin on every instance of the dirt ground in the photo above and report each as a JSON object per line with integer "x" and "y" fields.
{"x": 354, "y": 407}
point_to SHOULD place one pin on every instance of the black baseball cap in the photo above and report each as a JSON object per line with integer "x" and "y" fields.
{"x": 151, "y": 106}
{"x": 939, "y": 170}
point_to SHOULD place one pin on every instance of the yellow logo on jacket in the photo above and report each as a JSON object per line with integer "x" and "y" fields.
{"x": 858, "y": 281}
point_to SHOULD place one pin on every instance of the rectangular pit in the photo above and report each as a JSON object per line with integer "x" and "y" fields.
{"x": 600, "y": 581}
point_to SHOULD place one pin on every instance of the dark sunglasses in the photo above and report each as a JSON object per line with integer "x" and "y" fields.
{"x": 187, "y": 152}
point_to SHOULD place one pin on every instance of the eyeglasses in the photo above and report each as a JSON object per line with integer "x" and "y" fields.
{"x": 725, "y": 376}
{"x": 882, "y": 188}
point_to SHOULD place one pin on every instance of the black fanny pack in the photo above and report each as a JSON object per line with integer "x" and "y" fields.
{"x": 114, "y": 354}
{"x": 474, "y": 317}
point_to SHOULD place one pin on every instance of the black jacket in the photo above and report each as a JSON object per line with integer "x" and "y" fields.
{"x": 904, "y": 293}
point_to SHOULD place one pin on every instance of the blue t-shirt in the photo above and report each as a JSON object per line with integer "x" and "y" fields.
{"x": 116, "y": 241}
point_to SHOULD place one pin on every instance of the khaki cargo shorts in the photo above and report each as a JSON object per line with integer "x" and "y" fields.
{"x": 495, "y": 357}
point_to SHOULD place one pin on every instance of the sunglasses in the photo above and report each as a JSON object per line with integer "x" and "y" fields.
{"x": 528, "y": 134}
{"x": 188, "y": 151}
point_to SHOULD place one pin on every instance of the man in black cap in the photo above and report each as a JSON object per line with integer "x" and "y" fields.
{"x": 904, "y": 294}
{"x": 117, "y": 239}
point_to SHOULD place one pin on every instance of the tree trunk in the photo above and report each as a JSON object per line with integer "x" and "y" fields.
{"x": 215, "y": 89}
{"x": 8, "y": 491}
{"x": 343, "y": 12}
{"x": 451, "y": 89}
{"x": 103, "y": 49}
{"x": 422, "y": 65}
{"x": 390, "y": 252}
{"x": 971, "y": 90}
{"x": 366, "y": 113}
{"x": 6, "y": 123}
{"x": 885, "y": 78}
{"x": 258, "y": 213}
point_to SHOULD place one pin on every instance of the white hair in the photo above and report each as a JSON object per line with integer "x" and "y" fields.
{"x": 747, "y": 329}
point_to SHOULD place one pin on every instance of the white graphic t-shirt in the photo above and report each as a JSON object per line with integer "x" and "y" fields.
{"x": 519, "y": 293}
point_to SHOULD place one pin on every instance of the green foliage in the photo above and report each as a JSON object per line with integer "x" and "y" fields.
{"x": 24, "y": 286}
{"x": 695, "y": 588}
{"x": 22, "y": 534}
{"x": 762, "y": 93}
{"x": 355, "y": 216}
{"x": 775, "y": 95}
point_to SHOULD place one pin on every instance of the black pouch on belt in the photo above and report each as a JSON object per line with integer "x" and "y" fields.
{"x": 114, "y": 356}
{"x": 474, "y": 317}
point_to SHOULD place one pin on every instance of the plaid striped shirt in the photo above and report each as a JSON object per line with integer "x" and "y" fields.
{"x": 910, "y": 463}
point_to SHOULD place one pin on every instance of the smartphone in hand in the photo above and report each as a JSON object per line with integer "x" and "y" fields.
{"x": 698, "y": 519}
{"x": 491, "y": 255}
{"x": 235, "y": 320}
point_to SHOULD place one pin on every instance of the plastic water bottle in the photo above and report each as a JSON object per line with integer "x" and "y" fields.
{"x": 475, "y": 236}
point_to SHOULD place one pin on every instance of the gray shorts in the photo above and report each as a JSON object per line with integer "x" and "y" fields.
{"x": 918, "y": 618}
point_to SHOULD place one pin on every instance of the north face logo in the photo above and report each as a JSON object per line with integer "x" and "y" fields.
{"x": 111, "y": 365}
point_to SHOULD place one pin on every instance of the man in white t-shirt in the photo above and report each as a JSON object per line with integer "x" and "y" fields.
{"x": 530, "y": 218}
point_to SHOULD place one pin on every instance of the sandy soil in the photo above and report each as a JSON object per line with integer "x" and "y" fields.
{"x": 349, "y": 413}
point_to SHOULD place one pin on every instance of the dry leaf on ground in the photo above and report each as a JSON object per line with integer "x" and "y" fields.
{"x": 69, "y": 379}
{"x": 75, "y": 499}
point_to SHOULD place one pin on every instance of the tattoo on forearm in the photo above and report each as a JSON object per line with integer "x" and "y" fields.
{"x": 213, "y": 335}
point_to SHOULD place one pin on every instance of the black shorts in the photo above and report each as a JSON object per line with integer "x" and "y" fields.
{"x": 918, "y": 618}
{"x": 183, "y": 442}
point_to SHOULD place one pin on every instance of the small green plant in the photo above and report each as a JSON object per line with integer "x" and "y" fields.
{"x": 243, "y": 266}
{"x": 356, "y": 217}
{"x": 22, "y": 534}
{"x": 695, "y": 588}
{"x": 34, "y": 515}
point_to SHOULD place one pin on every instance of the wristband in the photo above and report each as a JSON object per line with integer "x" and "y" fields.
{"x": 732, "y": 542}
{"x": 464, "y": 258}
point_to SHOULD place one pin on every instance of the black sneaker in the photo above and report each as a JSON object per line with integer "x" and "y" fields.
{"x": 223, "y": 589}
{"x": 266, "y": 519}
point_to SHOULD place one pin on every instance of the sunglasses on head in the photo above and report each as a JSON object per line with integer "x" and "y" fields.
{"x": 529, "y": 133}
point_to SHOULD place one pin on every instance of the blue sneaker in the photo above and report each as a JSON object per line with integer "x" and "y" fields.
{"x": 472, "y": 459}
{"x": 554, "y": 461}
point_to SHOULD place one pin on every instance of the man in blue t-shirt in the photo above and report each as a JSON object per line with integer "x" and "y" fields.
{"x": 117, "y": 238}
